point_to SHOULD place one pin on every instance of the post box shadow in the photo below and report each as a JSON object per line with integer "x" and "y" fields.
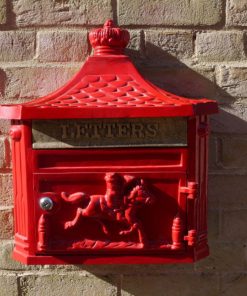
{"x": 167, "y": 72}
{"x": 173, "y": 75}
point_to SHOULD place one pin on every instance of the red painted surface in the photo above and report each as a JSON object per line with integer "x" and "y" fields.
{"x": 108, "y": 85}
{"x": 114, "y": 205}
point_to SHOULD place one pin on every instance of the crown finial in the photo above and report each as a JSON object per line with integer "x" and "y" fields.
{"x": 109, "y": 39}
{"x": 108, "y": 23}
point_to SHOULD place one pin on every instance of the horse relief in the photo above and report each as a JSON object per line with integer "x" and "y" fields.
{"x": 125, "y": 195}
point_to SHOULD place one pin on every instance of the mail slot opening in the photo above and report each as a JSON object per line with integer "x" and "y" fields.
{"x": 114, "y": 157}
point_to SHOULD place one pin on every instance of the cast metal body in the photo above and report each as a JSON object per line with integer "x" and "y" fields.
{"x": 110, "y": 168}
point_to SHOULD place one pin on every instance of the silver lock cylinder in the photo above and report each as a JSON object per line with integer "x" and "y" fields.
{"x": 46, "y": 203}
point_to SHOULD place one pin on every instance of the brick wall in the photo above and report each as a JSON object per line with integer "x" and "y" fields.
{"x": 190, "y": 47}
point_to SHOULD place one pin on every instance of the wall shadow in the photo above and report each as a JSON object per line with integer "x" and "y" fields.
{"x": 167, "y": 72}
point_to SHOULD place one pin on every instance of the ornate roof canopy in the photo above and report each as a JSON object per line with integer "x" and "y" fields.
{"x": 108, "y": 85}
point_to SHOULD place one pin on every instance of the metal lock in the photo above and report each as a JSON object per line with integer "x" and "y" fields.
{"x": 46, "y": 203}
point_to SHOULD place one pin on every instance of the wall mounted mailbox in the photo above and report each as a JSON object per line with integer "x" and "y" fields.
{"x": 110, "y": 168}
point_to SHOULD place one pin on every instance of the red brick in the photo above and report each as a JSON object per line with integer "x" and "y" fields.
{"x": 6, "y": 260}
{"x": 6, "y": 190}
{"x": 6, "y": 223}
{"x": 159, "y": 43}
{"x": 233, "y": 284}
{"x": 233, "y": 225}
{"x": 195, "y": 82}
{"x": 233, "y": 152}
{"x": 17, "y": 46}
{"x": 4, "y": 126}
{"x": 223, "y": 257}
{"x": 3, "y": 12}
{"x": 231, "y": 119}
{"x": 173, "y": 284}
{"x": 8, "y": 284}
{"x": 227, "y": 190}
{"x": 62, "y": 46}
{"x": 31, "y": 82}
{"x": 213, "y": 154}
{"x": 236, "y": 14}
{"x": 233, "y": 80}
{"x": 213, "y": 224}
{"x": 172, "y": 13}
{"x": 220, "y": 46}
{"x": 54, "y": 284}
{"x": 4, "y": 152}
{"x": 73, "y": 12}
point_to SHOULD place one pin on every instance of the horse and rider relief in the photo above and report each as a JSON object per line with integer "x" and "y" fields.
{"x": 112, "y": 220}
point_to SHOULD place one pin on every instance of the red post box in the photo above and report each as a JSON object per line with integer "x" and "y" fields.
{"x": 110, "y": 168}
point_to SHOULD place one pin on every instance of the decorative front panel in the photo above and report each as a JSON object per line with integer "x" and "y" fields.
{"x": 110, "y": 212}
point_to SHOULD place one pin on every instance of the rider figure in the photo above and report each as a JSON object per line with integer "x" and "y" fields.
{"x": 113, "y": 202}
